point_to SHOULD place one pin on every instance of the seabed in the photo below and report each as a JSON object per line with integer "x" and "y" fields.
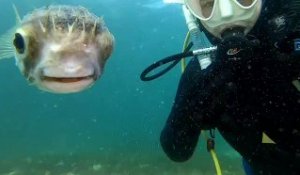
{"x": 119, "y": 164}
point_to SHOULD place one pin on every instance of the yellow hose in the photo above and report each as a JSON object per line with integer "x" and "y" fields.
{"x": 216, "y": 161}
{"x": 185, "y": 44}
{"x": 214, "y": 157}
{"x": 212, "y": 151}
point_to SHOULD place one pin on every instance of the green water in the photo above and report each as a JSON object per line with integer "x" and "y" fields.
{"x": 112, "y": 128}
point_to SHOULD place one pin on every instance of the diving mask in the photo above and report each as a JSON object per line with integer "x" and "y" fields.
{"x": 220, "y": 15}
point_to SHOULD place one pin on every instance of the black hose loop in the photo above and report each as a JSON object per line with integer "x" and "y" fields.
{"x": 173, "y": 58}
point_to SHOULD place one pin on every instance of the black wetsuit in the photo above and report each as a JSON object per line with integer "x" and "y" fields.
{"x": 243, "y": 99}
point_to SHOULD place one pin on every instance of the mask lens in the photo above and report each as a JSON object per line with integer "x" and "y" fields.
{"x": 206, "y": 7}
{"x": 246, "y": 3}
{"x": 201, "y": 8}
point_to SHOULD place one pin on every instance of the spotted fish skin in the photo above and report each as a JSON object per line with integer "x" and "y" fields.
{"x": 58, "y": 45}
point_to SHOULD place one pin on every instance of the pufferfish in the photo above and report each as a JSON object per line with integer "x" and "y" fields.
{"x": 59, "y": 48}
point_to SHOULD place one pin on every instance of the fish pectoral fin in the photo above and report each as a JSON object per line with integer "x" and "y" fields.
{"x": 6, "y": 40}
{"x": 6, "y": 44}
{"x": 18, "y": 17}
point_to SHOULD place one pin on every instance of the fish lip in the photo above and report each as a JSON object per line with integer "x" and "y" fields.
{"x": 67, "y": 79}
{"x": 66, "y": 88}
{"x": 66, "y": 85}
{"x": 63, "y": 83}
{"x": 63, "y": 78}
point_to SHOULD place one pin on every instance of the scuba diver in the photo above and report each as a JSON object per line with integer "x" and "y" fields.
{"x": 251, "y": 89}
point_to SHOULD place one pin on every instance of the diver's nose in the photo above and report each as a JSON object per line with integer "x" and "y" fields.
{"x": 226, "y": 8}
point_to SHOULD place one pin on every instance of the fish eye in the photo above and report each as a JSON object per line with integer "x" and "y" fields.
{"x": 19, "y": 43}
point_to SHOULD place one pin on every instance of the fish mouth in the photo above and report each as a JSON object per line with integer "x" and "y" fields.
{"x": 66, "y": 85}
{"x": 66, "y": 79}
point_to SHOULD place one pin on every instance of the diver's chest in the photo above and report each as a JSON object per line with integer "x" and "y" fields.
{"x": 272, "y": 108}
{"x": 257, "y": 102}
{"x": 266, "y": 94}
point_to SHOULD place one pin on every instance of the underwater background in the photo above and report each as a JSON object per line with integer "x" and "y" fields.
{"x": 112, "y": 128}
